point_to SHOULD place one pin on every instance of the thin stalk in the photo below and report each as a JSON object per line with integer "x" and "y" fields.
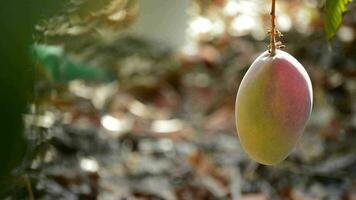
{"x": 273, "y": 29}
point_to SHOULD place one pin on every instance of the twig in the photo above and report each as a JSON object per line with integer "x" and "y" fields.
{"x": 273, "y": 29}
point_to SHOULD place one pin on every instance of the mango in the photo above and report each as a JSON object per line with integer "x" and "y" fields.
{"x": 273, "y": 105}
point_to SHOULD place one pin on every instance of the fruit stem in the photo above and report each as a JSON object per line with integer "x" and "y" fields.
{"x": 273, "y": 29}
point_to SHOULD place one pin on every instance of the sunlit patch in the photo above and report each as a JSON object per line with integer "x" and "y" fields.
{"x": 114, "y": 124}
{"x": 89, "y": 164}
{"x": 258, "y": 32}
{"x": 247, "y": 6}
{"x": 303, "y": 20}
{"x": 102, "y": 94}
{"x": 139, "y": 109}
{"x": 79, "y": 88}
{"x": 242, "y": 25}
{"x": 284, "y": 23}
{"x": 218, "y": 27}
{"x": 231, "y": 8}
{"x": 200, "y": 25}
{"x": 46, "y": 120}
{"x": 236, "y": 19}
{"x": 117, "y": 16}
{"x": 167, "y": 126}
{"x": 346, "y": 34}
{"x": 190, "y": 49}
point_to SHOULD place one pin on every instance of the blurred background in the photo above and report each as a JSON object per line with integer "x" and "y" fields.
{"x": 135, "y": 100}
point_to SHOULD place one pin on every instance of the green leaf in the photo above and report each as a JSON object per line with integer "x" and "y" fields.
{"x": 333, "y": 15}
{"x": 63, "y": 67}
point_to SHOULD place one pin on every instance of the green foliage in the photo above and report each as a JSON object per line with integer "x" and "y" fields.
{"x": 333, "y": 15}
{"x": 62, "y": 67}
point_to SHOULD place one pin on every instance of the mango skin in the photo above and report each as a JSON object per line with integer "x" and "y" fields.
{"x": 273, "y": 105}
